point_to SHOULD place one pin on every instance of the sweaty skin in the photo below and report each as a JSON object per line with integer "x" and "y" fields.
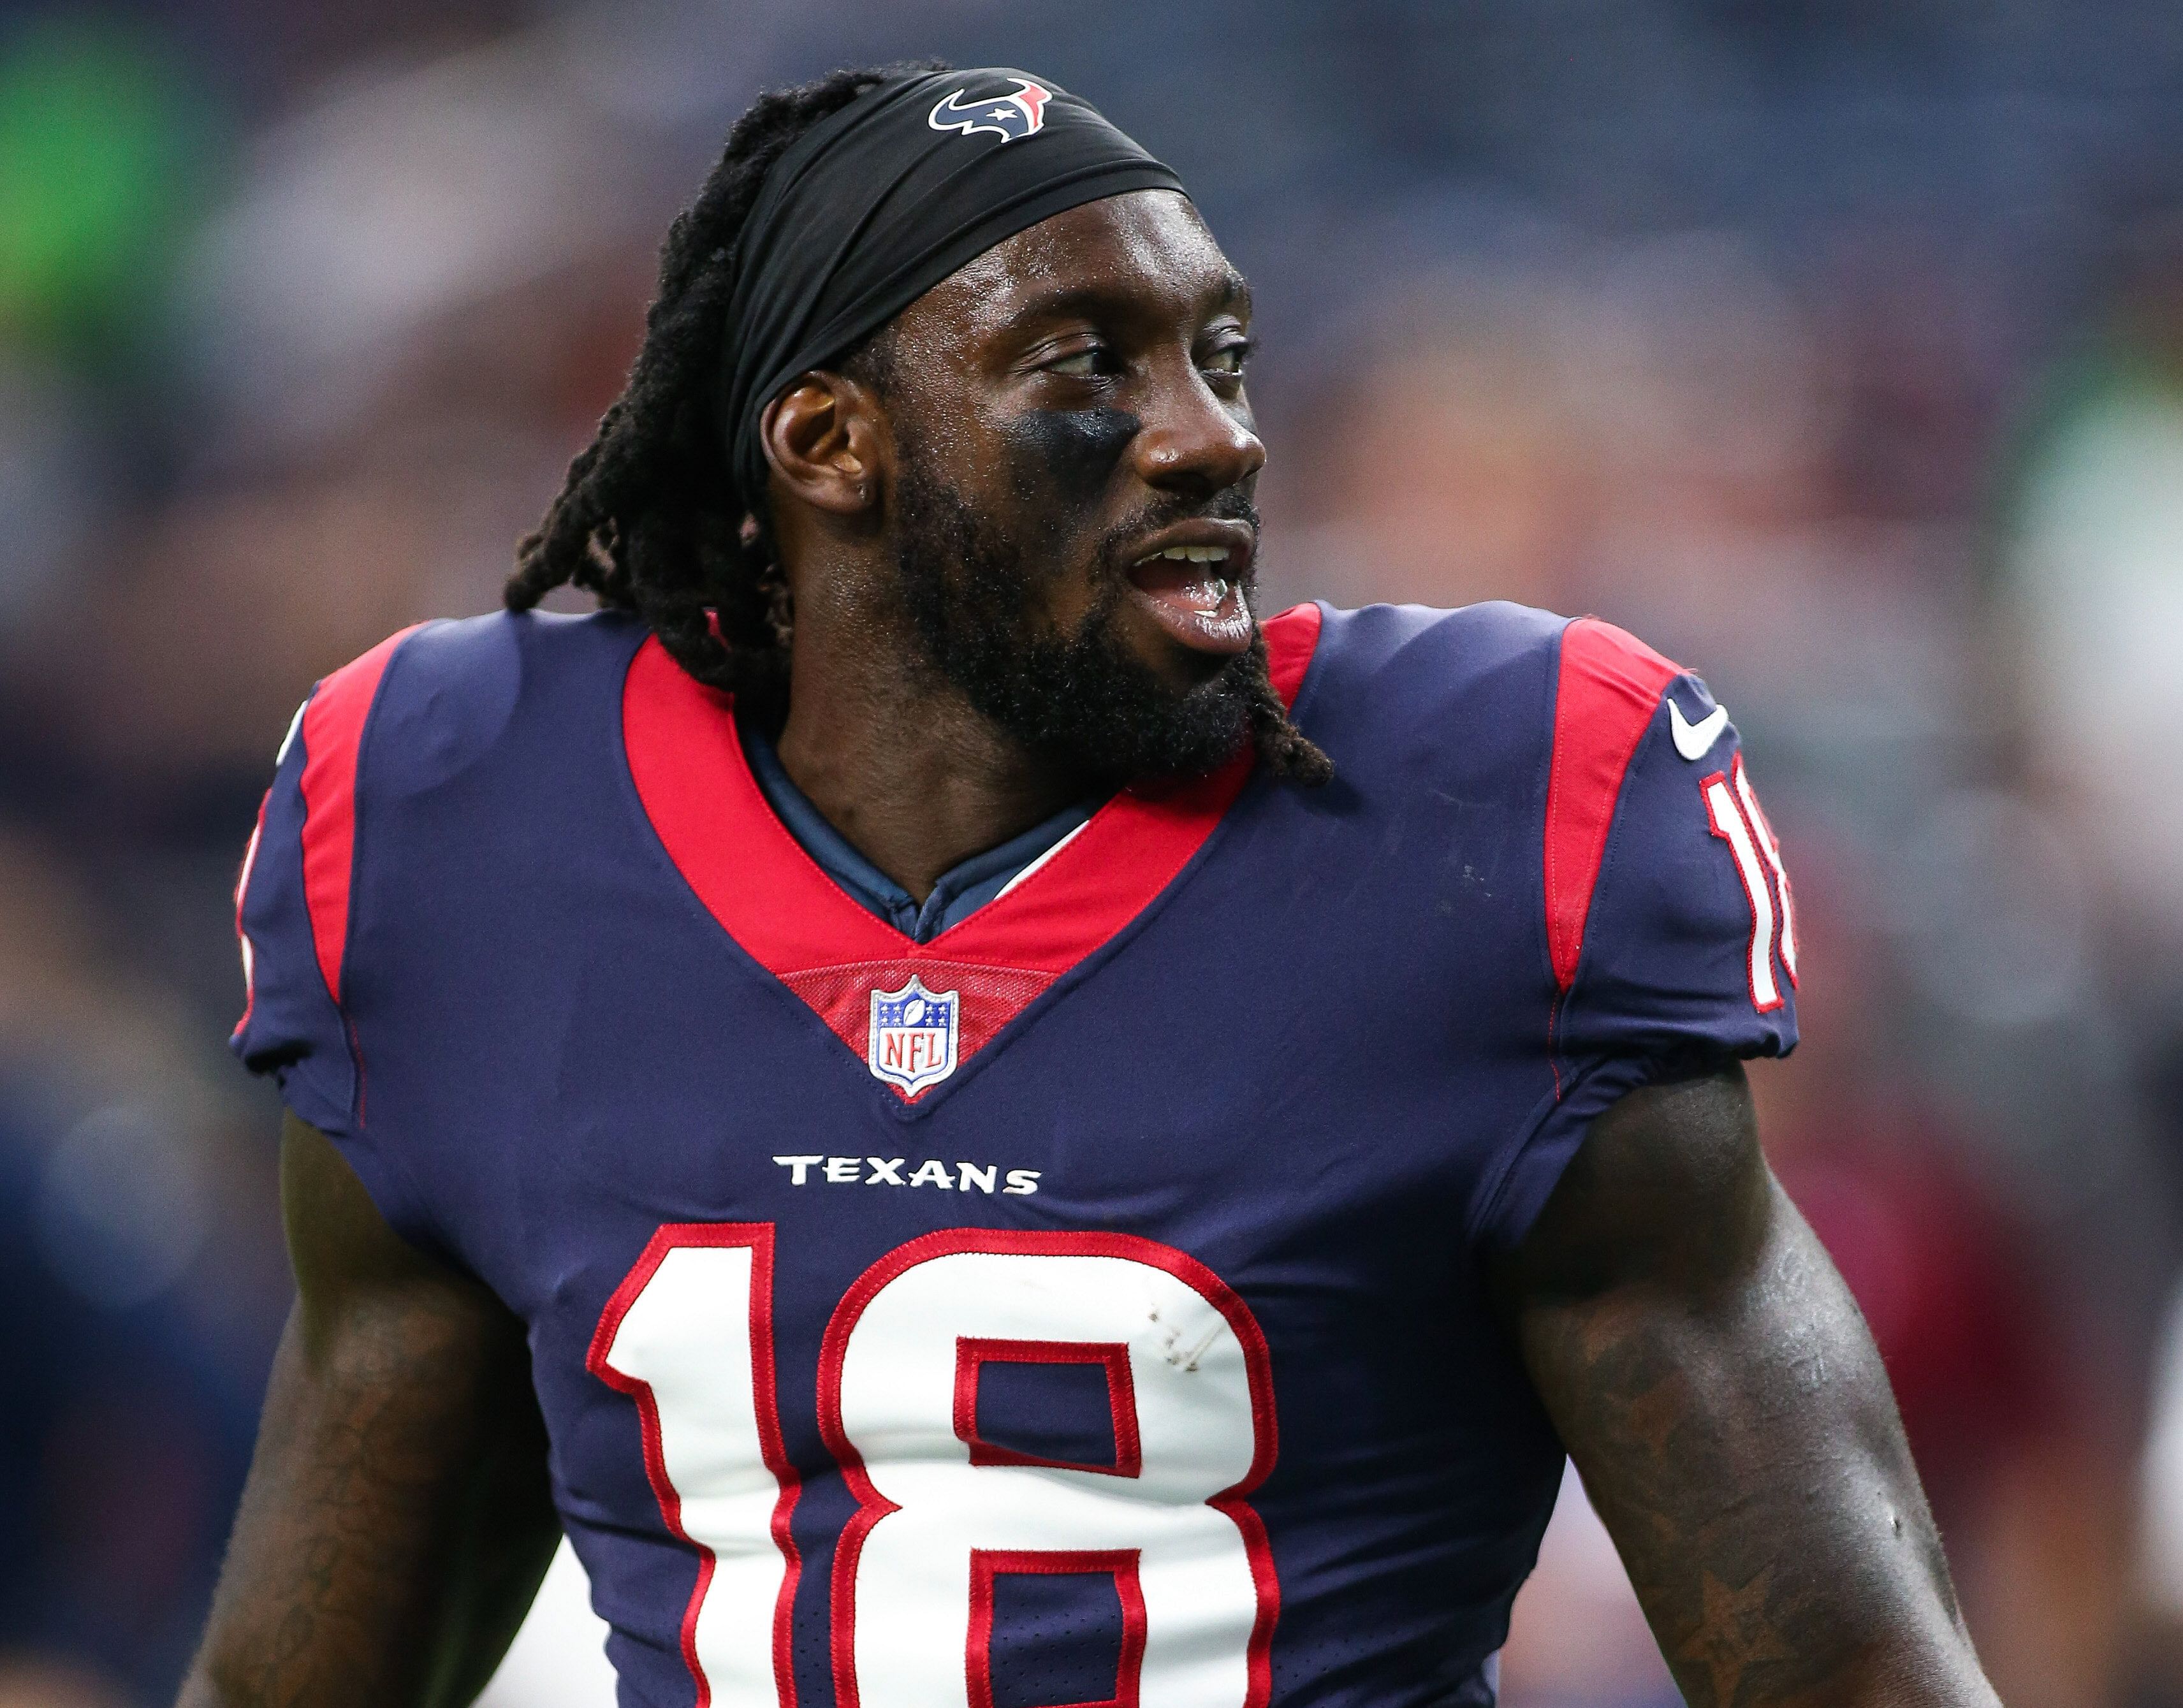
{"x": 1691, "y": 1342}
{"x": 1719, "y": 1392}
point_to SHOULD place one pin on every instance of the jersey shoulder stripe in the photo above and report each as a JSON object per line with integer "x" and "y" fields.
{"x": 333, "y": 733}
{"x": 1606, "y": 694}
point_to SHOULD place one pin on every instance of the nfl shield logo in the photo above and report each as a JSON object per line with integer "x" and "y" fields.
{"x": 913, "y": 1035}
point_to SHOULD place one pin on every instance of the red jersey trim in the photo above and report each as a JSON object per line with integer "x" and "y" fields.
{"x": 1609, "y": 690}
{"x": 333, "y": 731}
{"x": 771, "y": 897}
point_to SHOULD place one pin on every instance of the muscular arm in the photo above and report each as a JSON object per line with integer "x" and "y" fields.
{"x": 1720, "y": 1395}
{"x": 397, "y": 1520}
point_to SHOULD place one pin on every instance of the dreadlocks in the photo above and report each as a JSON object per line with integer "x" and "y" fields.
{"x": 650, "y": 519}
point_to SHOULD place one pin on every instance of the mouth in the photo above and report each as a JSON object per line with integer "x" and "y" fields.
{"x": 1190, "y": 579}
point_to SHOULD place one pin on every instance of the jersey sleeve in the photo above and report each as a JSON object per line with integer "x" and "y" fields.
{"x": 291, "y": 920}
{"x": 1670, "y": 919}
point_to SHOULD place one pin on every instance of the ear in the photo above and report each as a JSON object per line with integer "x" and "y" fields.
{"x": 825, "y": 438}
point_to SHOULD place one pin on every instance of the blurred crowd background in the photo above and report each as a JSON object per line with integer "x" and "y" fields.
{"x": 1834, "y": 346}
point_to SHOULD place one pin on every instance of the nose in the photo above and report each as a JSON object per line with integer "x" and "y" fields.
{"x": 1194, "y": 442}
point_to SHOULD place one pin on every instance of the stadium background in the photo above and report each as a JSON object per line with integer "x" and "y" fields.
{"x": 1834, "y": 346}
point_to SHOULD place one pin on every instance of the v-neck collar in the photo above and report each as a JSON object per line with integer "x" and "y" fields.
{"x": 956, "y": 893}
{"x": 769, "y": 895}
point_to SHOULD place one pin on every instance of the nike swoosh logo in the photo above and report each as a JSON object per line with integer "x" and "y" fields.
{"x": 1695, "y": 741}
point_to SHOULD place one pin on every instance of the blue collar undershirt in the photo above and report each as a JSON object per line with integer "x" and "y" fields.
{"x": 962, "y": 890}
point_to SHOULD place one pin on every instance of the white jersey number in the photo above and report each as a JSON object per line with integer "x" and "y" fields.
{"x": 942, "y": 1513}
{"x": 689, "y": 1336}
{"x": 1732, "y": 811}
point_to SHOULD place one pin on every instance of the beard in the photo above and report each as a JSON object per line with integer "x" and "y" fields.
{"x": 1080, "y": 698}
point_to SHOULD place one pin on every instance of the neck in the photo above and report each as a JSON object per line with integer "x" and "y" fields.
{"x": 898, "y": 761}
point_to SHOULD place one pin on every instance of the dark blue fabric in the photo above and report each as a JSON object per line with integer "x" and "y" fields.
{"x": 1329, "y": 1064}
{"x": 1049, "y": 1410}
{"x": 1057, "y": 1638}
{"x": 960, "y": 891}
{"x": 292, "y": 1027}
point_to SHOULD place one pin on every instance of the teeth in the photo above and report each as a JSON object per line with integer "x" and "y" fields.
{"x": 1195, "y": 554}
{"x": 1218, "y": 587}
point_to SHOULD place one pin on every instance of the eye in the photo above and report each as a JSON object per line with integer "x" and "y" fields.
{"x": 1229, "y": 360}
{"x": 1086, "y": 363}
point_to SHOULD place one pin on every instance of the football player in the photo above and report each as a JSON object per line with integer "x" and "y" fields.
{"x": 979, "y": 1123}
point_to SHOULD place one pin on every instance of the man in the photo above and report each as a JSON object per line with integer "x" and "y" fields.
{"x": 977, "y": 1124}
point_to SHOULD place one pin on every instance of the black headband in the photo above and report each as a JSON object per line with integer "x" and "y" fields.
{"x": 879, "y": 202}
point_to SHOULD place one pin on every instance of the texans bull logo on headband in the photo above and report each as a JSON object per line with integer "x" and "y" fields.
{"x": 1009, "y": 117}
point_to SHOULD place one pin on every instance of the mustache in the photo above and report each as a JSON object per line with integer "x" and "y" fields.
{"x": 1231, "y": 506}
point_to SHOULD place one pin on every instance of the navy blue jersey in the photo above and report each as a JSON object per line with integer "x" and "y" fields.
{"x": 1083, "y": 1306}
